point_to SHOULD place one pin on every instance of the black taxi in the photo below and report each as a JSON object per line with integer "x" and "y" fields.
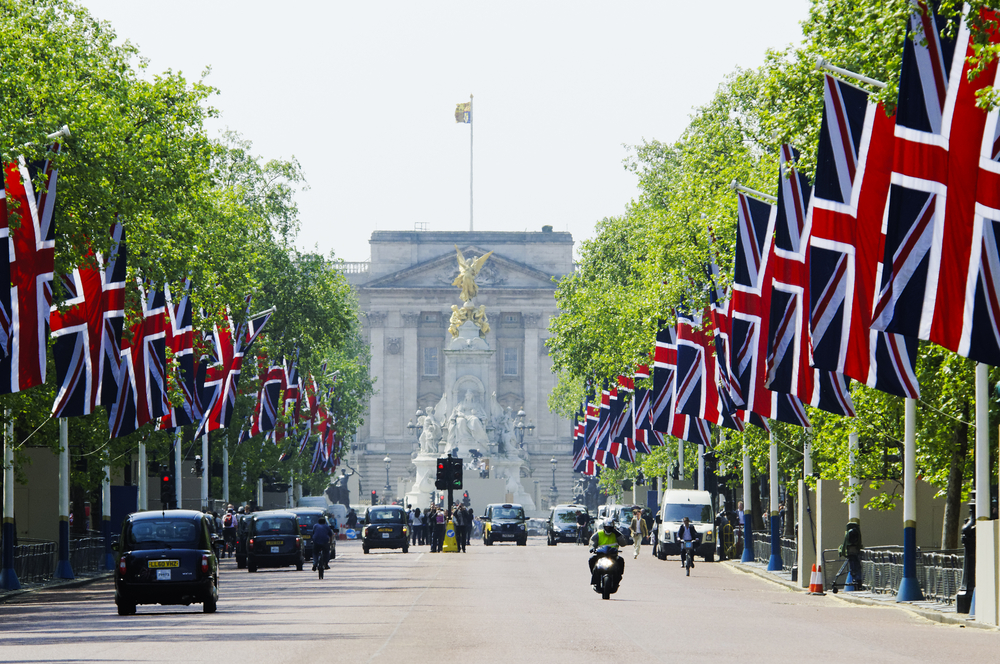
{"x": 385, "y": 527}
{"x": 308, "y": 518}
{"x": 504, "y": 522}
{"x": 273, "y": 540}
{"x": 165, "y": 557}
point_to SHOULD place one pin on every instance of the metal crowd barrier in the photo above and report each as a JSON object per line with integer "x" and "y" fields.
{"x": 939, "y": 571}
{"x": 35, "y": 560}
{"x": 86, "y": 552}
{"x": 762, "y": 549}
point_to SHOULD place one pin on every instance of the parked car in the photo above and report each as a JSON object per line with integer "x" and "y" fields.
{"x": 697, "y": 507}
{"x": 504, "y": 522}
{"x": 385, "y": 527}
{"x": 274, "y": 541}
{"x": 165, "y": 557}
{"x": 562, "y": 524}
{"x": 309, "y": 517}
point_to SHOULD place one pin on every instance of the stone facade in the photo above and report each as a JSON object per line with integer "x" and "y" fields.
{"x": 405, "y": 294}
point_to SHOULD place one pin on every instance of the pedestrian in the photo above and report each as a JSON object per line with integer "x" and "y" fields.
{"x": 414, "y": 525}
{"x": 440, "y": 516}
{"x": 458, "y": 519}
{"x": 352, "y": 519}
{"x": 639, "y": 530}
{"x": 647, "y": 516}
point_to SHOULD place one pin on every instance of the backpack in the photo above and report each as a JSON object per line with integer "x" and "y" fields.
{"x": 227, "y": 521}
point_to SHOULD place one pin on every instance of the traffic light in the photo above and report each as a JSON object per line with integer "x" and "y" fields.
{"x": 455, "y": 476}
{"x": 441, "y": 482}
{"x": 465, "y": 499}
{"x": 374, "y": 497}
{"x": 168, "y": 489}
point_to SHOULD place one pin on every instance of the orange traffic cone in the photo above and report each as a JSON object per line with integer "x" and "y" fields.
{"x": 816, "y": 581}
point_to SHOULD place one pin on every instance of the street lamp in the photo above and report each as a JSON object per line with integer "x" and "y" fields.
{"x": 520, "y": 427}
{"x": 417, "y": 428}
{"x": 388, "y": 462}
{"x": 553, "y": 491}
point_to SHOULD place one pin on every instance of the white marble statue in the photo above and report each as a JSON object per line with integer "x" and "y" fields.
{"x": 431, "y": 433}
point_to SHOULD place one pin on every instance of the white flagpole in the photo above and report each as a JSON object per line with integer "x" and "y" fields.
{"x": 471, "y": 125}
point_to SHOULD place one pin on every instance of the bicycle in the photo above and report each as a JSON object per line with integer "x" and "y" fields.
{"x": 687, "y": 553}
{"x": 321, "y": 556}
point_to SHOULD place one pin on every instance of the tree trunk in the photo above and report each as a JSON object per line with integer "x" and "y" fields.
{"x": 956, "y": 479}
{"x": 758, "y": 514}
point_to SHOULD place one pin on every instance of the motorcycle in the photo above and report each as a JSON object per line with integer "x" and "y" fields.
{"x": 605, "y": 576}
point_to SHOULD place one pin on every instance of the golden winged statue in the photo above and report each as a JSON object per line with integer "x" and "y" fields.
{"x": 467, "y": 271}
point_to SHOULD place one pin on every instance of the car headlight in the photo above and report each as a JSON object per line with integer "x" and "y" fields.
{"x": 521, "y": 526}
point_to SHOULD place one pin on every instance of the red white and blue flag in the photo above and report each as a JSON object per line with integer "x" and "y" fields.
{"x": 82, "y": 331}
{"x": 942, "y": 271}
{"x": 180, "y": 341}
{"x": 853, "y": 173}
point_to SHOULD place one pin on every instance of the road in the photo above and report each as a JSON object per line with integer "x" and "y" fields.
{"x": 492, "y": 604}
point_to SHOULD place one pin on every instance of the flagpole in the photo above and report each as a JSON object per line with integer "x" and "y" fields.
{"x": 471, "y": 125}
{"x": 8, "y": 577}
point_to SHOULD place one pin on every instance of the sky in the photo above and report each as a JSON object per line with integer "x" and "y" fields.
{"x": 363, "y": 94}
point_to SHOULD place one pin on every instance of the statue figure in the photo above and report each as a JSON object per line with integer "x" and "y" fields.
{"x": 431, "y": 434}
{"x": 458, "y": 316}
{"x": 507, "y": 445}
{"x": 479, "y": 319}
{"x": 467, "y": 271}
{"x": 465, "y": 429}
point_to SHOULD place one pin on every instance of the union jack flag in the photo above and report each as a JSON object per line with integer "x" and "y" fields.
{"x": 271, "y": 386}
{"x": 32, "y": 255}
{"x": 853, "y": 173}
{"x": 661, "y": 412}
{"x": 751, "y": 306}
{"x": 180, "y": 340}
{"x": 789, "y": 367}
{"x": 95, "y": 293}
{"x": 604, "y": 454}
{"x": 590, "y": 435}
{"x": 941, "y": 255}
{"x": 142, "y": 394}
{"x": 621, "y": 426}
{"x": 229, "y": 344}
{"x": 579, "y": 443}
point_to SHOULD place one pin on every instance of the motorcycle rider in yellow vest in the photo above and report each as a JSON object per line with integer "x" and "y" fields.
{"x": 607, "y": 535}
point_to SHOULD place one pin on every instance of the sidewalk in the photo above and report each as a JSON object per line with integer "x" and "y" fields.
{"x": 80, "y": 580}
{"x": 934, "y": 611}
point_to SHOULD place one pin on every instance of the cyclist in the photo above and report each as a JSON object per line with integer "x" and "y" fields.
{"x": 607, "y": 535}
{"x": 322, "y": 535}
{"x": 229, "y": 531}
{"x": 582, "y": 521}
{"x": 687, "y": 533}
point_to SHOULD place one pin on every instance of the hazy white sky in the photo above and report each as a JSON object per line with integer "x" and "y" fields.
{"x": 363, "y": 93}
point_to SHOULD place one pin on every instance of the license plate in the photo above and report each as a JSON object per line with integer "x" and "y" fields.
{"x": 163, "y": 575}
{"x": 385, "y": 530}
{"x": 273, "y": 542}
{"x": 386, "y": 534}
{"x": 305, "y": 537}
{"x": 153, "y": 564}
{"x": 274, "y": 549}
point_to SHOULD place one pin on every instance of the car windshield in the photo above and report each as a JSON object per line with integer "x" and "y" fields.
{"x": 565, "y": 516}
{"x": 625, "y": 514}
{"x": 307, "y": 521}
{"x": 165, "y": 533}
{"x": 696, "y": 513}
{"x": 275, "y": 526}
{"x": 508, "y": 513}
{"x": 386, "y": 516}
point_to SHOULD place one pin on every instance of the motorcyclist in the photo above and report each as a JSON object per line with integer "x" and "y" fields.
{"x": 607, "y": 535}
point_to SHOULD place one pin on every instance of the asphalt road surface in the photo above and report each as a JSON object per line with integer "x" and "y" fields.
{"x": 493, "y": 604}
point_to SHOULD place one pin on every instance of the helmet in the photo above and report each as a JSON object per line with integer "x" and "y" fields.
{"x": 609, "y": 526}
{"x": 240, "y": 510}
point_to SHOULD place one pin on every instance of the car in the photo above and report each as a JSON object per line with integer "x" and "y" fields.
{"x": 165, "y": 557}
{"x": 385, "y": 527}
{"x": 621, "y": 515}
{"x": 309, "y": 517}
{"x": 561, "y": 525}
{"x": 697, "y": 507}
{"x": 242, "y": 535}
{"x": 274, "y": 541}
{"x": 504, "y": 522}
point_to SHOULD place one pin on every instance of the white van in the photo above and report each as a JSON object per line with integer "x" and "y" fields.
{"x": 697, "y": 507}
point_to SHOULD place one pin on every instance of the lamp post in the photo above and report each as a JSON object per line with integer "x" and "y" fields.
{"x": 417, "y": 428}
{"x": 388, "y": 462}
{"x": 553, "y": 491}
{"x": 520, "y": 427}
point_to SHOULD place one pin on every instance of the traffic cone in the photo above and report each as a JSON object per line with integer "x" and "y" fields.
{"x": 816, "y": 581}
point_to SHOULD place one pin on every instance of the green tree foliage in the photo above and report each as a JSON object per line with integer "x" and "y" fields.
{"x": 641, "y": 264}
{"x": 193, "y": 207}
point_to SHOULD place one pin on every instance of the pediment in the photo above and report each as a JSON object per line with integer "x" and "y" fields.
{"x": 499, "y": 272}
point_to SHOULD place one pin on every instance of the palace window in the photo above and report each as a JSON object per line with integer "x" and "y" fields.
{"x": 430, "y": 361}
{"x": 509, "y": 361}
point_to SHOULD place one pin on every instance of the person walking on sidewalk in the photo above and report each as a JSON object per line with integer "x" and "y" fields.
{"x": 639, "y": 529}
